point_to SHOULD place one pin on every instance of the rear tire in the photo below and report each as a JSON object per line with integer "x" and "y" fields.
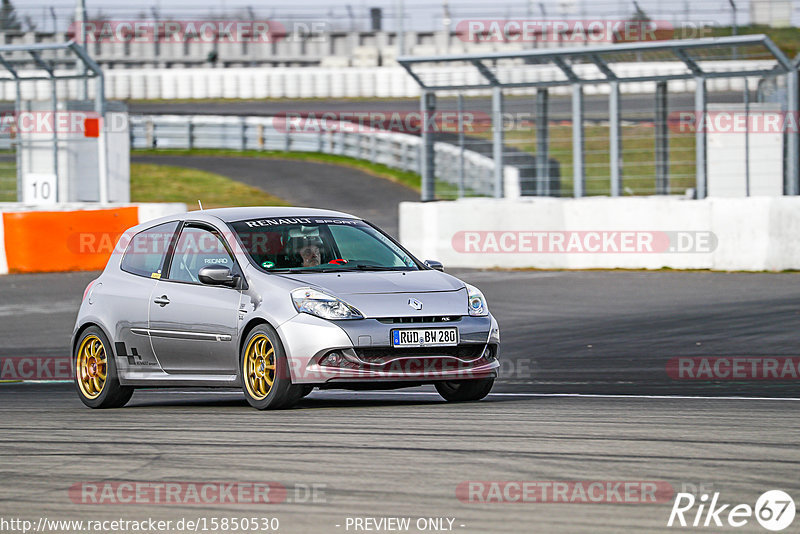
{"x": 266, "y": 380}
{"x": 465, "y": 390}
{"x": 95, "y": 372}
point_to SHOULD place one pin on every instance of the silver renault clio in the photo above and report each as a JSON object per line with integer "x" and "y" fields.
{"x": 277, "y": 301}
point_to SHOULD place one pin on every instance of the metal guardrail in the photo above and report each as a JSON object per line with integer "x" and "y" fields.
{"x": 395, "y": 150}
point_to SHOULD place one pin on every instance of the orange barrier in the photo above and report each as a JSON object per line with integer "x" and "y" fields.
{"x": 47, "y": 241}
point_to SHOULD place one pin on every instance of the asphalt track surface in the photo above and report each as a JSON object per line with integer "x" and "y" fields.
{"x": 584, "y": 395}
{"x": 634, "y": 106}
{"x": 307, "y": 183}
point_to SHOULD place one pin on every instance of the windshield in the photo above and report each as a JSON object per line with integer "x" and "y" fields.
{"x": 299, "y": 244}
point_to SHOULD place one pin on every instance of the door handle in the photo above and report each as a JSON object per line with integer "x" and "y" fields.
{"x": 162, "y": 301}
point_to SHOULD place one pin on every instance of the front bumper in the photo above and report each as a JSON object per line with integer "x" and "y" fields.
{"x": 367, "y": 354}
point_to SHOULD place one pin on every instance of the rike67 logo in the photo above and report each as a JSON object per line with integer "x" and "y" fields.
{"x": 774, "y": 510}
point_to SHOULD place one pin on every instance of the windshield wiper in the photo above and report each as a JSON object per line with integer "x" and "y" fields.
{"x": 343, "y": 268}
{"x": 301, "y": 271}
{"x": 362, "y": 267}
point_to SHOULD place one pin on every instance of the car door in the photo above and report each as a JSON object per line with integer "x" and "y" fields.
{"x": 193, "y": 326}
{"x": 130, "y": 291}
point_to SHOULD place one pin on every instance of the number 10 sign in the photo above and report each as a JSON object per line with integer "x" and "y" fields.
{"x": 39, "y": 189}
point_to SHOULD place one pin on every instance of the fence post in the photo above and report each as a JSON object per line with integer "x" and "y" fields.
{"x": 18, "y": 134}
{"x": 746, "y": 96}
{"x": 427, "y": 155}
{"x": 243, "y": 135}
{"x": 792, "y": 149}
{"x": 615, "y": 139}
{"x": 497, "y": 139}
{"x": 542, "y": 143}
{"x": 578, "y": 177}
{"x": 460, "y": 145}
{"x": 662, "y": 140}
{"x": 700, "y": 135}
{"x": 190, "y": 134}
{"x": 150, "y": 133}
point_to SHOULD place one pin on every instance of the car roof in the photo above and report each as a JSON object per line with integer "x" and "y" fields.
{"x": 262, "y": 212}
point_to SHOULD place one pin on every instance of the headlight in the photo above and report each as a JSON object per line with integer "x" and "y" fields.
{"x": 318, "y": 303}
{"x": 476, "y": 302}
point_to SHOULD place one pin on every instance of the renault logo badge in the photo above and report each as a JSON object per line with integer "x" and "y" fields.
{"x": 414, "y": 303}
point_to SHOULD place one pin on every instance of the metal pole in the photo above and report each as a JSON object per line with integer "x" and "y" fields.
{"x": 460, "y": 145}
{"x": 18, "y": 110}
{"x": 80, "y": 20}
{"x": 662, "y": 140}
{"x": 746, "y": 139}
{"x": 542, "y": 144}
{"x": 615, "y": 139}
{"x": 428, "y": 160}
{"x": 401, "y": 35}
{"x": 734, "y": 29}
{"x": 792, "y": 149}
{"x": 497, "y": 139}
{"x": 102, "y": 155}
{"x": 59, "y": 185}
{"x": 578, "y": 178}
{"x": 700, "y": 135}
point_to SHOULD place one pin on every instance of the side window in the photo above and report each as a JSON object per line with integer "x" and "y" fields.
{"x": 198, "y": 248}
{"x": 145, "y": 253}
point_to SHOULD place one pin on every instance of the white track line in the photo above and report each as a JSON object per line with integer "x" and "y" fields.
{"x": 417, "y": 393}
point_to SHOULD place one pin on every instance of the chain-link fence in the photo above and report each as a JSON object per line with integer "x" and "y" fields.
{"x": 635, "y": 119}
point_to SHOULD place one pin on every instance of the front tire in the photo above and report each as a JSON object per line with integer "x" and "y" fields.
{"x": 266, "y": 380}
{"x": 465, "y": 390}
{"x": 95, "y": 373}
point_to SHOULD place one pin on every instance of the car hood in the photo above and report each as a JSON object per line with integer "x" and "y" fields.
{"x": 372, "y": 282}
{"x": 387, "y": 294}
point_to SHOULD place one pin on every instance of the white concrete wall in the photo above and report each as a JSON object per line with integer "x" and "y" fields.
{"x": 748, "y": 234}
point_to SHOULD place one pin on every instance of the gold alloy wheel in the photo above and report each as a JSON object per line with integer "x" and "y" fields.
{"x": 92, "y": 367}
{"x": 259, "y": 367}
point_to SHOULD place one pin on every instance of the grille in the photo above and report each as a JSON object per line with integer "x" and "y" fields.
{"x": 422, "y": 319}
{"x": 380, "y": 354}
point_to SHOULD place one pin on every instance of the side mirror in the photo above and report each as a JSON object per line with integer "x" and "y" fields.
{"x": 433, "y": 264}
{"x": 217, "y": 275}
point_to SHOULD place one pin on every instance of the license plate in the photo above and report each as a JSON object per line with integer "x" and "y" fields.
{"x": 425, "y": 337}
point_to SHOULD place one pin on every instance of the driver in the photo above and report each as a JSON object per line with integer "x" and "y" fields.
{"x": 309, "y": 248}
